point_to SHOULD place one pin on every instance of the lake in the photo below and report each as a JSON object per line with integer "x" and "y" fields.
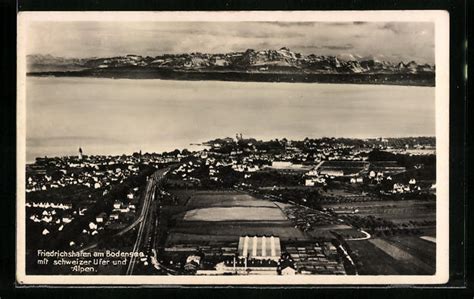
{"x": 115, "y": 116}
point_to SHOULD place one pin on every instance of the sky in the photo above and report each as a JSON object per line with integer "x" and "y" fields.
{"x": 392, "y": 41}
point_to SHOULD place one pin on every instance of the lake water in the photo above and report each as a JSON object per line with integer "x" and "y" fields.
{"x": 109, "y": 116}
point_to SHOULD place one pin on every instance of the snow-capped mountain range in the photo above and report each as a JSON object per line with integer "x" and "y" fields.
{"x": 263, "y": 61}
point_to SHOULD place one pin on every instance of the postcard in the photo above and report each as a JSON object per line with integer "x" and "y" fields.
{"x": 233, "y": 148}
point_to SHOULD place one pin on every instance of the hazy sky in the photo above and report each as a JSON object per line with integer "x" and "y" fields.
{"x": 400, "y": 41}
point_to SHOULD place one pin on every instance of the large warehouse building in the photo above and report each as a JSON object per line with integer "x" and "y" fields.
{"x": 264, "y": 248}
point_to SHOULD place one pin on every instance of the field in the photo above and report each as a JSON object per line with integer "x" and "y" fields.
{"x": 318, "y": 224}
{"x": 345, "y": 231}
{"x": 225, "y": 216}
{"x": 234, "y": 214}
{"x": 400, "y": 255}
{"x": 395, "y": 211}
{"x": 226, "y": 199}
{"x": 230, "y": 232}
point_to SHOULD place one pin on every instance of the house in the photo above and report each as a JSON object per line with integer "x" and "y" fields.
{"x": 309, "y": 182}
{"x": 117, "y": 205}
{"x": 92, "y": 225}
{"x": 114, "y": 216}
{"x": 124, "y": 208}
{"x": 400, "y": 188}
{"x": 253, "y": 168}
{"x": 193, "y": 258}
{"x": 100, "y": 218}
{"x": 355, "y": 180}
{"x": 66, "y": 219}
{"x": 190, "y": 267}
{"x": 82, "y": 211}
{"x": 288, "y": 270}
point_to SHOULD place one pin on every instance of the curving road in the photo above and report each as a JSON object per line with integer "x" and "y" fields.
{"x": 367, "y": 236}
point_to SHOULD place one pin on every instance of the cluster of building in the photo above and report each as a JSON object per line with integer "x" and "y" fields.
{"x": 318, "y": 258}
{"x": 257, "y": 255}
{"x": 248, "y": 155}
{"x": 186, "y": 170}
{"x": 318, "y": 162}
{"x": 52, "y": 216}
{"x": 403, "y": 188}
{"x": 124, "y": 209}
{"x": 92, "y": 172}
{"x": 123, "y": 213}
{"x": 55, "y": 216}
{"x": 307, "y": 219}
{"x": 323, "y": 151}
{"x": 416, "y": 150}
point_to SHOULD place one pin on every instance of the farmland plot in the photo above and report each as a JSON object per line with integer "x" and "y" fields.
{"x": 234, "y": 213}
{"x": 393, "y": 256}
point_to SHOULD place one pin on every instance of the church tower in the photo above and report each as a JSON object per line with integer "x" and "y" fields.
{"x": 80, "y": 154}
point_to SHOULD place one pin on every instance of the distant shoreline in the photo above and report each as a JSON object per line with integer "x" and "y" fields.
{"x": 420, "y": 79}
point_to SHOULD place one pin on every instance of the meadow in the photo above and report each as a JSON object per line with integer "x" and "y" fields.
{"x": 227, "y": 215}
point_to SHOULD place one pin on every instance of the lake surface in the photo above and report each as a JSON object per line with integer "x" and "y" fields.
{"x": 110, "y": 116}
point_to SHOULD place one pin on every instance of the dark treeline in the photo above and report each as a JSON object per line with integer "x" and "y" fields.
{"x": 422, "y": 79}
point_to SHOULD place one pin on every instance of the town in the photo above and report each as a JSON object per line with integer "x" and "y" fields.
{"x": 243, "y": 206}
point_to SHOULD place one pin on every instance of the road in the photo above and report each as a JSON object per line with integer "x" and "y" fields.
{"x": 145, "y": 220}
{"x": 367, "y": 236}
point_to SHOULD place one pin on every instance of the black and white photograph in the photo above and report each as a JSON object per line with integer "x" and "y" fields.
{"x": 233, "y": 147}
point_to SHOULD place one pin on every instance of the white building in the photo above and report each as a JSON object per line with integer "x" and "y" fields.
{"x": 332, "y": 172}
{"x": 100, "y": 218}
{"x": 281, "y": 164}
{"x": 288, "y": 270}
{"x": 193, "y": 258}
{"x": 265, "y": 248}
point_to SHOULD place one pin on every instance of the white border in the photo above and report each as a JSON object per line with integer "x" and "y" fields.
{"x": 441, "y": 20}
